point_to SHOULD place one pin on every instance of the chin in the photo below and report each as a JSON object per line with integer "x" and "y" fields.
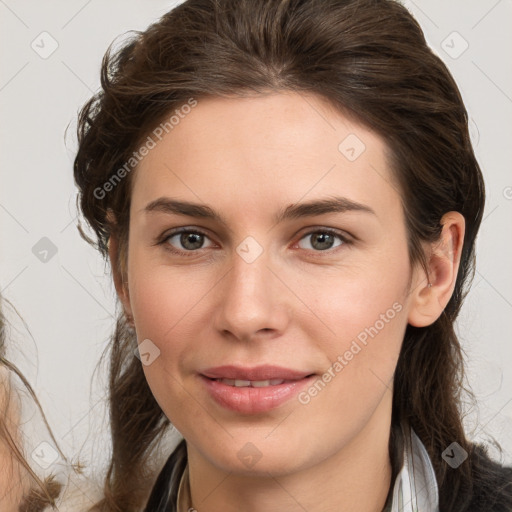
{"x": 256, "y": 456}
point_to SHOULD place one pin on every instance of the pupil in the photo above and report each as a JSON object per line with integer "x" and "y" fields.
{"x": 322, "y": 237}
{"x": 186, "y": 237}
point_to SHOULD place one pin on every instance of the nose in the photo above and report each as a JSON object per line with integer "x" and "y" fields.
{"x": 252, "y": 300}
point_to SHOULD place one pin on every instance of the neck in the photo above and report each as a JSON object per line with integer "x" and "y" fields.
{"x": 355, "y": 478}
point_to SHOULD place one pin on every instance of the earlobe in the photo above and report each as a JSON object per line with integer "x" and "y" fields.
{"x": 431, "y": 294}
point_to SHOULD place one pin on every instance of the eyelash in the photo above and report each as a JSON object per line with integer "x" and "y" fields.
{"x": 344, "y": 239}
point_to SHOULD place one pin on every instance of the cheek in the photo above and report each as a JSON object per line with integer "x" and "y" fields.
{"x": 163, "y": 298}
{"x": 166, "y": 307}
{"x": 365, "y": 310}
{"x": 369, "y": 323}
{"x": 361, "y": 302}
{"x": 367, "y": 341}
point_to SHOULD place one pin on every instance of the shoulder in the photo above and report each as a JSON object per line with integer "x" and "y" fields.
{"x": 492, "y": 483}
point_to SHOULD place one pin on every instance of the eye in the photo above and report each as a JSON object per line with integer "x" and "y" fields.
{"x": 187, "y": 240}
{"x": 323, "y": 240}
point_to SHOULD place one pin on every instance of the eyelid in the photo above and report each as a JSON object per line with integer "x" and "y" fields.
{"x": 344, "y": 235}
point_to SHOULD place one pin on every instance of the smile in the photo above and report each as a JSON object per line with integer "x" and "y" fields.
{"x": 244, "y": 396}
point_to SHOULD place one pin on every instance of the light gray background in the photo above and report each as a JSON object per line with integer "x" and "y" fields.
{"x": 68, "y": 302}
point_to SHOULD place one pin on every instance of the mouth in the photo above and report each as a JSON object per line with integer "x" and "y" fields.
{"x": 260, "y": 373}
{"x": 253, "y": 390}
{"x": 253, "y": 383}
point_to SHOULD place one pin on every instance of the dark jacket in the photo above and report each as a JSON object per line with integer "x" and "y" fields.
{"x": 492, "y": 485}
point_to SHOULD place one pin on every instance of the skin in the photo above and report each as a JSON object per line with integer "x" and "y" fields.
{"x": 295, "y": 305}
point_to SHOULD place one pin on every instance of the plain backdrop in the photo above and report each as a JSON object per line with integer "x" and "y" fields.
{"x": 50, "y": 54}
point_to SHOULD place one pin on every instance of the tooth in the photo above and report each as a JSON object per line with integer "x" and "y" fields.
{"x": 260, "y": 383}
{"x": 251, "y": 383}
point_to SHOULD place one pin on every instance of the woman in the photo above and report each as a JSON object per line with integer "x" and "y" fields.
{"x": 21, "y": 487}
{"x": 25, "y": 485}
{"x": 289, "y": 199}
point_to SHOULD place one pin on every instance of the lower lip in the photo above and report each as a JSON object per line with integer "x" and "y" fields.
{"x": 249, "y": 400}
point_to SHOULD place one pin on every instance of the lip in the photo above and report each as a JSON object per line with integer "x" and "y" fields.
{"x": 254, "y": 400}
{"x": 263, "y": 372}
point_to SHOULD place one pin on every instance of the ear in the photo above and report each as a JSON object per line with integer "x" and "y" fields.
{"x": 118, "y": 271}
{"x": 430, "y": 294}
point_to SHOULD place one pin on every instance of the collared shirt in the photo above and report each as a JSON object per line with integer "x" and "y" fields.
{"x": 415, "y": 488}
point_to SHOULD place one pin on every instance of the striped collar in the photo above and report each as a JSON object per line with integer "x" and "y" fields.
{"x": 415, "y": 485}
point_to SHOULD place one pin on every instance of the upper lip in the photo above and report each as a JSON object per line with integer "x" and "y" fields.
{"x": 264, "y": 372}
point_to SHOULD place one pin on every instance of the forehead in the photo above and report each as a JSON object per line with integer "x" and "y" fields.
{"x": 263, "y": 150}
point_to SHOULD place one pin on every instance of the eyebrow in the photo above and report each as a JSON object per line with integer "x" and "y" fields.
{"x": 334, "y": 204}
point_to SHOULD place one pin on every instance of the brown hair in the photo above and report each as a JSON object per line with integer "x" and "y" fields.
{"x": 366, "y": 57}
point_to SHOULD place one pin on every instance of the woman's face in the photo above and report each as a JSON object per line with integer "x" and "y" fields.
{"x": 269, "y": 280}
